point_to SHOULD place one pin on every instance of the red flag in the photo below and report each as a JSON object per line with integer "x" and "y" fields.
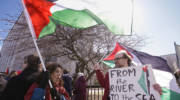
{"x": 7, "y": 70}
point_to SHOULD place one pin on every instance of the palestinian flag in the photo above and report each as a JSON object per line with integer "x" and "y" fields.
{"x": 162, "y": 72}
{"x": 44, "y": 15}
{"x": 110, "y": 59}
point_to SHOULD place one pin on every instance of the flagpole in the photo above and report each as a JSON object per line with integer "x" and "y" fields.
{"x": 34, "y": 39}
{"x": 176, "y": 73}
{"x": 176, "y": 54}
{"x": 132, "y": 18}
{"x": 101, "y": 58}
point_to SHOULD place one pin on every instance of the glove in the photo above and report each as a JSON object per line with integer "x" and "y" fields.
{"x": 176, "y": 75}
{"x": 55, "y": 94}
{"x": 45, "y": 79}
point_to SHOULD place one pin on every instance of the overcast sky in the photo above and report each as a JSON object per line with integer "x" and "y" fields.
{"x": 159, "y": 20}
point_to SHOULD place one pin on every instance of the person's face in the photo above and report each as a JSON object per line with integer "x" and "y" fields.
{"x": 121, "y": 61}
{"x": 56, "y": 75}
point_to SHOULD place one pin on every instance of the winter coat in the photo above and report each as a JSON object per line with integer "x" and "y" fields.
{"x": 35, "y": 93}
{"x": 104, "y": 82}
{"x": 17, "y": 86}
{"x": 80, "y": 89}
{"x": 68, "y": 83}
{"x": 3, "y": 83}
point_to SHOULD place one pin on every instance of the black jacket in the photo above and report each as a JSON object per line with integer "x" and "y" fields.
{"x": 68, "y": 83}
{"x": 17, "y": 86}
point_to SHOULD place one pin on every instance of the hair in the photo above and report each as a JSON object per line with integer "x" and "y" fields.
{"x": 12, "y": 74}
{"x": 51, "y": 67}
{"x": 32, "y": 61}
{"x": 65, "y": 71}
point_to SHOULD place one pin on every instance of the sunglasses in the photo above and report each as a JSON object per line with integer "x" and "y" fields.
{"x": 118, "y": 58}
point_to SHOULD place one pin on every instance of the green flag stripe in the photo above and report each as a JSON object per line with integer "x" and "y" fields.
{"x": 97, "y": 19}
{"x": 68, "y": 17}
{"x": 142, "y": 82}
{"x": 78, "y": 19}
{"x": 109, "y": 63}
{"x": 169, "y": 95}
{"x": 49, "y": 29}
{"x": 85, "y": 19}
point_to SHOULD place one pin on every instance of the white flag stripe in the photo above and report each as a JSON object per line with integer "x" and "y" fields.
{"x": 166, "y": 79}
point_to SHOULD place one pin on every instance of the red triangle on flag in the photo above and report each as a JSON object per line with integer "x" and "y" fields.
{"x": 116, "y": 49}
{"x": 39, "y": 13}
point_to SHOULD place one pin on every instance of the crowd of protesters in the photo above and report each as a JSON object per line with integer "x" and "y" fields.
{"x": 32, "y": 83}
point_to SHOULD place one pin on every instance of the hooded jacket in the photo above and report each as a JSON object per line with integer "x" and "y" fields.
{"x": 17, "y": 86}
{"x": 80, "y": 89}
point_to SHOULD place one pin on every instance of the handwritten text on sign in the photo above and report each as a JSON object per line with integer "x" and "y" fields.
{"x": 132, "y": 83}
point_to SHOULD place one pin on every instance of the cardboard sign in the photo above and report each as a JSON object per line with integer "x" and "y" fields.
{"x": 132, "y": 83}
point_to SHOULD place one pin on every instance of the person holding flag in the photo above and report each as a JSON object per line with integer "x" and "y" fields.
{"x": 121, "y": 59}
{"x": 40, "y": 88}
{"x": 23, "y": 81}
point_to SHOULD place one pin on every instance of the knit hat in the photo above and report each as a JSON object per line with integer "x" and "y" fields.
{"x": 119, "y": 53}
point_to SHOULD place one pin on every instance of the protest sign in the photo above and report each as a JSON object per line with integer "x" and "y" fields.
{"x": 132, "y": 83}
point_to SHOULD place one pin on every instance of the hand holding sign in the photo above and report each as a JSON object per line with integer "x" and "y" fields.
{"x": 158, "y": 88}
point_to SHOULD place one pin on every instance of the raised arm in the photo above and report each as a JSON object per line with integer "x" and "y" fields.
{"x": 100, "y": 76}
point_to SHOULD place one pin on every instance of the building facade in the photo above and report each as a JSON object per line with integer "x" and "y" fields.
{"x": 19, "y": 43}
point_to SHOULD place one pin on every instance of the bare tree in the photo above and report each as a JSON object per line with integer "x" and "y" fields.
{"x": 88, "y": 46}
